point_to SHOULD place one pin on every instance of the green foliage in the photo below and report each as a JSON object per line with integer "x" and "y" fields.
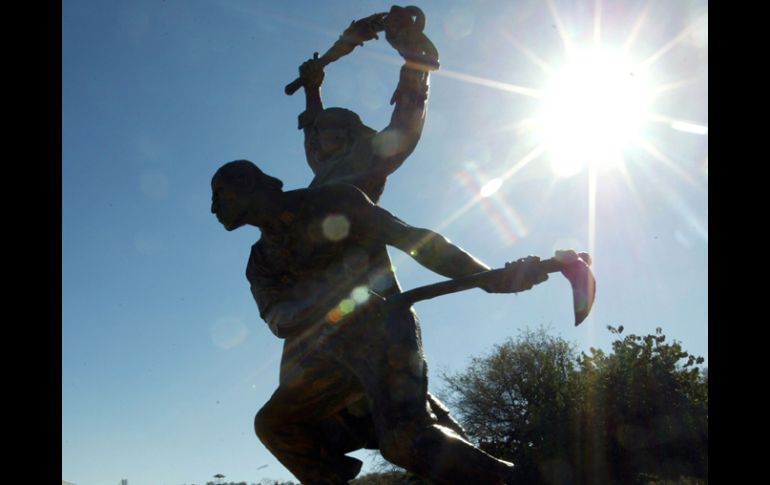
{"x": 637, "y": 414}
{"x": 647, "y": 407}
{"x": 519, "y": 401}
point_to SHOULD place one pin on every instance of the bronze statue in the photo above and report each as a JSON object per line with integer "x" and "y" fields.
{"x": 340, "y": 346}
{"x": 352, "y": 373}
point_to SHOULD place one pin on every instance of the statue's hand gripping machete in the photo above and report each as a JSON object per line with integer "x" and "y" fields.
{"x": 404, "y": 30}
{"x": 355, "y": 35}
{"x": 577, "y": 271}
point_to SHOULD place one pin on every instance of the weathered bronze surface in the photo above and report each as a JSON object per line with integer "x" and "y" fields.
{"x": 353, "y": 373}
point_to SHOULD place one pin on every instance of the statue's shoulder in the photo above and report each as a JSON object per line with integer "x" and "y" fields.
{"x": 335, "y": 194}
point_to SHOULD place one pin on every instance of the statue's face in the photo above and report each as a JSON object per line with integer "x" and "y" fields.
{"x": 330, "y": 137}
{"x": 230, "y": 206}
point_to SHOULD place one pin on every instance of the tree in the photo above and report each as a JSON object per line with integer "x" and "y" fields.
{"x": 637, "y": 414}
{"x": 520, "y": 403}
{"x": 646, "y": 410}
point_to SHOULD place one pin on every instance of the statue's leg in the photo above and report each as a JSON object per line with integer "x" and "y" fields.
{"x": 394, "y": 376}
{"x": 303, "y": 424}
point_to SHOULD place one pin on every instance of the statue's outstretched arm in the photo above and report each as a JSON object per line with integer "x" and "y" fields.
{"x": 437, "y": 253}
{"x": 427, "y": 247}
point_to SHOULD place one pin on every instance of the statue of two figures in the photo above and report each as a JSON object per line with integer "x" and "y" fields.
{"x": 353, "y": 374}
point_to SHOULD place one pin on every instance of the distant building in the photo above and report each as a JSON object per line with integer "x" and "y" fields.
{"x": 124, "y": 481}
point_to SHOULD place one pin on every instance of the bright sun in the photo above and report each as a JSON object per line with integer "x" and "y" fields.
{"x": 594, "y": 107}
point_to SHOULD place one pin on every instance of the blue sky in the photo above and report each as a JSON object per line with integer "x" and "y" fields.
{"x": 164, "y": 358}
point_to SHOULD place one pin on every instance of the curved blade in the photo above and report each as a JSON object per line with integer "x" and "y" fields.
{"x": 583, "y": 283}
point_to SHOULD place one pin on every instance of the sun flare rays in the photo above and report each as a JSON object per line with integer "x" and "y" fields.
{"x": 594, "y": 113}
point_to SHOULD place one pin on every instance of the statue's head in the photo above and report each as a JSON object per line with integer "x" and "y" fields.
{"x": 334, "y": 131}
{"x": 233, "y": 190}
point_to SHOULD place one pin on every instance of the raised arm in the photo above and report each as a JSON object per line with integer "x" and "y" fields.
{"x": 312, "y": 74}
{"x": 399, "y": 139}
{"x": 404, "y": 31}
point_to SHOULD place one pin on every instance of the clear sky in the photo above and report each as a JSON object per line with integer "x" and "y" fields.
{"x": 165, "y": 360}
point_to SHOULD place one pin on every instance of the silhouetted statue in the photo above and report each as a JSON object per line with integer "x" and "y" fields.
{"x": 342, "y": 345}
